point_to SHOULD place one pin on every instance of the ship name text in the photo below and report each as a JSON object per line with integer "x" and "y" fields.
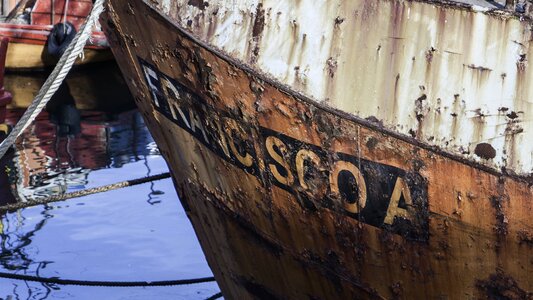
{"x": 374, "y": 193}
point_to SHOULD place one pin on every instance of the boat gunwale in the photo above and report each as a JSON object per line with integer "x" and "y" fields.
{"x": 495, "y": 12}
{"x": 373, "y": 125}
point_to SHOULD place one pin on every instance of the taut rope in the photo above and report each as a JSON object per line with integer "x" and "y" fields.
{"x": 60, "y": 281}
{"x": 90, "y": 191}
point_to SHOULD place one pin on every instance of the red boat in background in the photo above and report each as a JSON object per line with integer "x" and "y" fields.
{"x": 29, "y": 24}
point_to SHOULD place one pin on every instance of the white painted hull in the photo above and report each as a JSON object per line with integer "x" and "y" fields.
{"x": 451, "y": 76}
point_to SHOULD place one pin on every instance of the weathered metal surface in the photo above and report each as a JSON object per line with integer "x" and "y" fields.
{"x": 293, "y": 199}
{"x": 450, "y": 74}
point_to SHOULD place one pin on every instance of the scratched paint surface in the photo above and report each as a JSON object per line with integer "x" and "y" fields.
{"x": 453, "y": 76}
{"x": 132, "y": 234}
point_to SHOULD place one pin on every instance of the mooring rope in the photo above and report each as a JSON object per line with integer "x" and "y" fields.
{"x": 56, "y": 77}
{"x": 59, "y": 281}
{"x": 215, "y": 296}
{"x": 86, "y": 192}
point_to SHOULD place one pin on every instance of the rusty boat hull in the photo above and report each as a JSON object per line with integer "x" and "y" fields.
{"x": 292, "y": 198}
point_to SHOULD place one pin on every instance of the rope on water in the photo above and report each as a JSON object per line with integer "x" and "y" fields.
{"x": 215, "y": 296}
{"x": 56, "y": 77}
{"x": 59, "y": 281}
{"x": 90, "y": 191}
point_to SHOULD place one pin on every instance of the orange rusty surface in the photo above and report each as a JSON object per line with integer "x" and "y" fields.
{"x": 472, "y": 226}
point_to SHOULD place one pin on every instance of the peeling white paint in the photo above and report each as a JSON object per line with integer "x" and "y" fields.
{"x": 386, "y": 54}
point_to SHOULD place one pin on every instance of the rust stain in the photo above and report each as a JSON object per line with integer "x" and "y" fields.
{"x": 331, "y": 64}
{"x": 513, "y": 115}
{"x": 419, "y": 105}
{"x": 257, "y": 30}
{"x": 521, "y": 64}
{"x": 429, "y": 54}
{"x": 502, "y": 286}
{"x": 371, "y": 143}
{"x": 259, "y": 22}
{"x": 478, "y": 68}
{"x": 485, "y": 151}
{"x": 502, "y": 223}
{"x": 525, "y": 237}
{"x": 338, "y": 21}
{"x": 200, "y": 4}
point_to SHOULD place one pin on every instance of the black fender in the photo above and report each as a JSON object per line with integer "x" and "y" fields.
{"x": 59, "y": 38}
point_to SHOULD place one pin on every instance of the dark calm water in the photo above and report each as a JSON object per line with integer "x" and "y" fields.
{"x": 132, "y": 234}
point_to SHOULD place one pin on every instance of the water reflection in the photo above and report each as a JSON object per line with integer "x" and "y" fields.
{"x": 51, "y": 161}
{"x": 15, "y": 257}
{"x": 132, "y": 234}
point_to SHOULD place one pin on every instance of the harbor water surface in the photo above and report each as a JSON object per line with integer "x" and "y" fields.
{"x": 138, "y": 233}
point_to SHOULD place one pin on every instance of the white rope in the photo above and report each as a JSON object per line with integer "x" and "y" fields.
{"x": 56, "y": 77}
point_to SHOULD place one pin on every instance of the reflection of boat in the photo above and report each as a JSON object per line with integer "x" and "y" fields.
{"x": 47, "y": 164}
{"x": 5, "y": 96}
{"x": 5, "y": 99}
{"x": 295, "y": 198}
{"x": 96, "y": 87}
{"x": 29, "y": 24}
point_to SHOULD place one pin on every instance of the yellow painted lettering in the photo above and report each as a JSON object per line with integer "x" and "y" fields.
{"x": 270, "y": 143}
{"x": 301, "y": 157}
{"x": 233, "y": 127}
{"x": 360, "y": 202}
{"x": 222, "y": 138}
{"x": 400, "y": 188}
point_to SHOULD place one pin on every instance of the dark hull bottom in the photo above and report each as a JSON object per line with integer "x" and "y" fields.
{"x": 251, "y": 265}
